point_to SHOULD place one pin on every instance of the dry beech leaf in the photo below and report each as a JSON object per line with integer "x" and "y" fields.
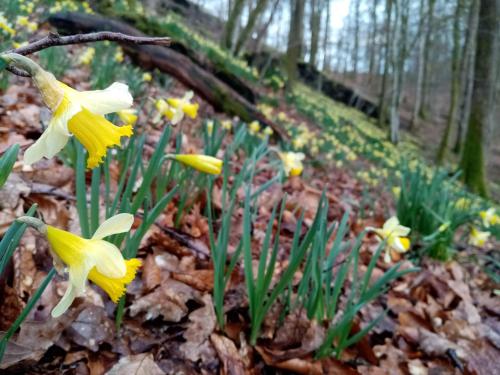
{"x": 136, "y": 364}
{"x": 168, "y": 300}
{"x": 91, "y": 328}
{"x": 201, "y": 325}
{"x": 232, "y": 364}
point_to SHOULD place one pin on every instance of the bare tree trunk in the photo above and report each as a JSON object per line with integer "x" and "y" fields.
{"x": 295, "y": 40}
{"x": 455, "y": 85}
{"x": 247, "y": 30}
{"x": 473, "y": 162}
{"x": 420, "y": 67}
{"x": 399, "y": 58}
{"x": 355, "y": 55}
{"x": 232, "y": 22}
{"x": 325, "y": 37}
{"x": 373, "y": 37}
{"x": 424, "y": 107}
{"x": 467, "y": 74}
{"x": 315, "y": 23}
{"x": 387, "y": 57}
{"x": 263, "y": 30}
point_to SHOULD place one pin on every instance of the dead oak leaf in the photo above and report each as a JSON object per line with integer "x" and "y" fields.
{"x": 136, "y": 365}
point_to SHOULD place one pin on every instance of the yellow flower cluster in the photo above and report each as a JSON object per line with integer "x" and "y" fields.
{"x": 175, "y": 108}
{"x": 5, "y": 26}
{"x": 87, "y": 57}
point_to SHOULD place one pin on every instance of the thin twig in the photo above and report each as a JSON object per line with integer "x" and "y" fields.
{"x": 54, "y": 39}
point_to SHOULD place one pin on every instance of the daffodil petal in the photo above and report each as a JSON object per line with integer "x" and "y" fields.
{"x": 53, "y": 139}
{"x": 112, "y": 99}
{"x": 117, "y": 224}
{"x": 108, "y": 258}
{"x": 65, "y": 302}
{"x": 391, "y": 224}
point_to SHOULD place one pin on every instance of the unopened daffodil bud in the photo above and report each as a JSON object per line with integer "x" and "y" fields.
{"x": 203, "y": 163}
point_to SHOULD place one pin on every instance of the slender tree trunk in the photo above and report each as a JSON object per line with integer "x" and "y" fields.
{"x": 373, "y": 38}
{"x": 295, "y": 40}
{"x": 326, "y": 32}
{"x": 473, "y": 162}
{"x": 315, "y": 24}
{"x": 355, "y": 55}
{"x": 424, "y": 108}
{"x": 420, "y": 66}
{"x": 247, "y": 30}
{"x": 455, "y": 85}
{"x": 399, "y": 58}
{"x": 467, "y": 74}
{"x": 263, "y": 30}
{"x": 232, "y": 22}
{"x": 382, "y": 119}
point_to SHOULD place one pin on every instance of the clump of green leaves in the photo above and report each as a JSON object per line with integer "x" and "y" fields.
{"x": 428, "y": 205}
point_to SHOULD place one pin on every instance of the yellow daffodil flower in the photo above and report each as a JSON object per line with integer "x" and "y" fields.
{"x": 396, "y": 190}
{"x": 489, "y": 217}
{"x": 227, "y": 124}
{"x": 87, "y": 57}
{"x": 463, "y": 204}
{"x": 292, "y": 162}
{"x": 477, "y": 237}
{"x": 78, "y": 113}
{"x": 210, "y": 127}
{"x": 184, "y": 106}
{"x": 147, "y": 77}
{"x": 128, "y": 116}
{"x": 119, "y": 56}
{"x": 175, "y": 108}
{"x": 202, "y": 163}
{"x": 4, "y": 25}
{"x": 268, "y": 131}
{"x": 395, "y": 236}
{"x": 95, "y": 259}
{"x": 254, "y": 127}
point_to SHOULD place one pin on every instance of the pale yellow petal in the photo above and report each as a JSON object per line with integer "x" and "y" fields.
{"x": 117, "y": 224}
{"x": 65, "y": 302}
{"x": 107, "y": 258}
{"x": 53, "y": 139}
{"x": 112, "y": 99}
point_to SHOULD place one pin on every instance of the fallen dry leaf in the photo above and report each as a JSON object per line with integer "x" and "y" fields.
{"x": 136, "y": 364}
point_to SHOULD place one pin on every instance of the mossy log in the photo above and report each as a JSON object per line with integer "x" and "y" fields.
{"x": 221, "y": 96}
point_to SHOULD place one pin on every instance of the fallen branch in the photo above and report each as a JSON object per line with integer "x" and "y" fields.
{"x": 54, "y": 39}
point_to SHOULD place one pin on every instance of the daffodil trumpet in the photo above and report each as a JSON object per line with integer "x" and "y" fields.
{"x": 94, "y": 259}
{"x": 78, "y": 113}
{"x": 203, "y": 163}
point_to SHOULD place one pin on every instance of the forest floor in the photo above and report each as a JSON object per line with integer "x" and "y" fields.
{"x": 442, "y": 319}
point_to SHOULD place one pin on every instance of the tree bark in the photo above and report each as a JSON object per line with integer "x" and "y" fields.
{"x": 355, "y": 54}
{"x": 387, "y": 57}
{"x": 424, "y": 108}
{"x": 373, "y": 38}
{"x": 248, "y": 29}
{"x": 295, "y": 41}
{"x": 467, "y": 74}
{"x": 420, "y": 67}
{"x": 315, "y": 23}
{"x": 455, "y": 85}
{"x": 473, "y": 162}
{"x": 232, "y": 22}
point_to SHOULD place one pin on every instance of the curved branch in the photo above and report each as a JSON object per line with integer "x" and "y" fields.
{"x": 54, "y": 39}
